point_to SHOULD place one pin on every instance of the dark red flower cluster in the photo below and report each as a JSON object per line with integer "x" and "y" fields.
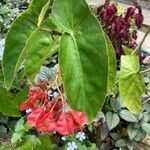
{"x": 119, "y": 26}
{"x": 52, "y": 116}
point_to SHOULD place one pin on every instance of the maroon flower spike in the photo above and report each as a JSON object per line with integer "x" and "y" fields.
{"x": 129, "y": 13}
{"x": 139, "y": 19}
{"x": 119, "y": 27}
{"x": 107, "y": 13}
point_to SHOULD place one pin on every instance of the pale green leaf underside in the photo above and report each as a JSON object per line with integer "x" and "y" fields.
{"x": 83, "y": 56}
{"x": 131, "y": 83}
{"x": 16, "y": 39}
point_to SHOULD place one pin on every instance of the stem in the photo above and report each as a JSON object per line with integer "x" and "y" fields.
{"x": 146, "y": 70}
{"x": 142, "y": 41}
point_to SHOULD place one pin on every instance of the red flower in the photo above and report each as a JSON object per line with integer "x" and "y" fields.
{"x": 46, "y": 123}
{"x": 34, "y": 116}
{"x": 53, "y": 116}
{"x": 35, "y": 96}
{"x": 71, "y": 122}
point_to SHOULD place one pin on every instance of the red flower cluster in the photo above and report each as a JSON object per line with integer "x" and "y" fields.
{"x": 119, "y": 27}
{"x": 53, "y": 116}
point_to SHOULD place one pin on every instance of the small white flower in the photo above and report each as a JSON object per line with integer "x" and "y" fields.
{"x": 80, "y": 136}
{"x": 72, "y": 146}
{"x": 55, "y": 94}
{"x": 63, "y": 138}
{"x": 28, "y": 111}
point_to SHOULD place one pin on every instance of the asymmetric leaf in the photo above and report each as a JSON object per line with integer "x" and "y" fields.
{"x": 16, "y": 39}
{"x": 83, "y": 56}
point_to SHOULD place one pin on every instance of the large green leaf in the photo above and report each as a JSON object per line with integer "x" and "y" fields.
{"x": 83, "y": 56}
{"x": 16, "y": 39}
{"x": 112, "y": 65}
{"x": 131, "y": 83}
{"x": 8, "y": 106}
{"x": 38, "y": 47}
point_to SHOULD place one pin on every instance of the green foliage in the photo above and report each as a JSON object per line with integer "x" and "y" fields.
{"x": 8, "y": 106}
{"x": 131, "y": 83}
{"x": 38, "y": 52}
{"x": 112, "y": 65}
{"x": 22, "y": 27}
{"x": 22, "y": 138}
{"x": 112, "y": 120}
{"x": 127, "y": 115}
{"x": 82, "y": 57}
{"x": 19, "y": 131}
{"x": 87, "y": 66}
{"x": 45, "y": 143}
{"x": 43, "y": 12}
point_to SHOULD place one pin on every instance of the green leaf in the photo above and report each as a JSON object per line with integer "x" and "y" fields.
{"x": 115, "y": 104}
{"x": 120, "y": 143}
{"x": 49, "y": 25}
{"x": 5, "y": 148}
{"x": 46, "y": 74}
{"x": 35, "y": 140}
{"x": 127, "y": 50}
{"x": 19, "y": 131}
{"x": 20, "y": 125}
{"x": 8, "y": 106}
{"x": 83, "y": 56}
{"x": 45, "y": 143}
{"x": 38, "y": 47}
{"x": 17, "y": 136}
{"x": 131, "y": 83}
{"x": 43, "y": 13}
{"x": 27, "y": 145}
{"x": 112, "y": 65}
{"x": 132, "y": 132}
{"x": 16, "y": 39}
{"x": 146, "y": 127}
{"x": 112, "y": 120}
{"x": 127, "y": 116}
{"x": 21, "y": 96}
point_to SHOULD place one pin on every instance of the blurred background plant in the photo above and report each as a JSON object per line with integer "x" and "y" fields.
{"x": 9, "y": 10}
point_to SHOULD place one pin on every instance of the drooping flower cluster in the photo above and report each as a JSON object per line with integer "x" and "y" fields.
{"x": 52, "y": 115}
{"x": 121, "y": 28}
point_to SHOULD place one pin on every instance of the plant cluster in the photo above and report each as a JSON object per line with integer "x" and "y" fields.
{"x": 65, "y": 103}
